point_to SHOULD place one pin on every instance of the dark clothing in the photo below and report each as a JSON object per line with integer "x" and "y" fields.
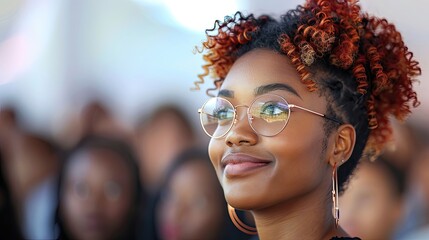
{"x": 334, "y": 238}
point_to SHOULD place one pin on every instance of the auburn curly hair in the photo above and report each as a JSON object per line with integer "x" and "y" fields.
{"x": 359, "y": 62}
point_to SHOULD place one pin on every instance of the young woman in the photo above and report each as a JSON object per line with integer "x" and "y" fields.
{"x": 190, "y": 203}
{"x": 299, "y": 101}
{"x": 99, "y": 195}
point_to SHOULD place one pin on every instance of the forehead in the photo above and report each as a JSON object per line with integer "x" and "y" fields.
{"x": 370, "y": 177}
{"x": 194, "y": 177}
{"x": 195, "y": 168}
{"x": 259, "y": 67}
{"x": 97, "y": 163}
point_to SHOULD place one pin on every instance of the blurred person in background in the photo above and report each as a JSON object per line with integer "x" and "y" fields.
{"x": 37, "y": 165}
{"x": 30, "y": 160}
{"x": 420, "y": 186}
{"x": 190, "y": 204}
{"x": 9, "y": 228}
{"x": 404, "y": 152}
{"x": 99, "y": 192}
{"x": 372, "y": 205}
{"x": 9, "y": 127}
{"x": 159, "y": 137}
{"x": 30, "y": 166}
{"x": 96, "y": 118}
{"x": 99, "y": 120}
{"x": 9, "y": 132}
{"x": 404, "y": 147}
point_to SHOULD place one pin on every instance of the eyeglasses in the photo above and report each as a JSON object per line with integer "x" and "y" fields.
{"x": 268, "y": 115}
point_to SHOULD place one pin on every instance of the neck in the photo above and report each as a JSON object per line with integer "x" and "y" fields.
{"x": 298, "y": 219}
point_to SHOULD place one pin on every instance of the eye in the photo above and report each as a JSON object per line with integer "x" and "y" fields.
{"x": 223, "y": 113}
{"x": 81, "y": 189}
{"x": 274, "y": 111}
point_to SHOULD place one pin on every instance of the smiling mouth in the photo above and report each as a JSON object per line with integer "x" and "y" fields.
{"x": 235, "y": 165}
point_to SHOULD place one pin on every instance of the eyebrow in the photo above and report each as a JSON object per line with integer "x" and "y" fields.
{"x": 225, "y": 93}
{"x": 275, "y": 86}
{"x": 261, "y": 90}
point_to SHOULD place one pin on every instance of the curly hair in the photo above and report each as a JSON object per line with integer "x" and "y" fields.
{"x": 359, "y": 62}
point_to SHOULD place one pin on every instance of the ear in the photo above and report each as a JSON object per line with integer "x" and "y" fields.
{"x": 343, "y": 144}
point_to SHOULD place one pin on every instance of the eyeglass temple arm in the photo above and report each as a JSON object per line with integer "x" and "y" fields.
{"x": 317, "y": 113}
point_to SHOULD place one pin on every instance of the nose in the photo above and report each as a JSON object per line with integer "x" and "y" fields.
{"x": 94, "y": 204}
{"x": 241, "y": 132}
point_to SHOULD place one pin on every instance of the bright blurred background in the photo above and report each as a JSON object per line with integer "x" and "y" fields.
{"x": 69, "y": 68}
{"x": 56, "y": 55}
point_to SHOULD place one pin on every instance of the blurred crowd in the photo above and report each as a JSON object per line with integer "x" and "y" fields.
{"x": 389, "y": 198}
{"x": 103, "y": 180}
{"x": 99, "y": 179}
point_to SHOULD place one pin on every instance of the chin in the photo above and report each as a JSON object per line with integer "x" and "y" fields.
{"x": 243, "y": 199}
{"x": 248, "y": 191}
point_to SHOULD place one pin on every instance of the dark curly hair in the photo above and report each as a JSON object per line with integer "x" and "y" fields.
{"x": 357, "y": 61}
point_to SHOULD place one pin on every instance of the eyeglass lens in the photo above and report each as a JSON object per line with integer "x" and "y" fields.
{"x": 267, "y": 115}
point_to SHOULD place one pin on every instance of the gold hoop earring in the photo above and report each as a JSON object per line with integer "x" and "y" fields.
{"x": 239, "y": 224}
{"x": 335, "y": 204}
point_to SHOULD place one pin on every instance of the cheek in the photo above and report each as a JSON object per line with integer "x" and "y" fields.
{"x": 216, "y": 150}
{"x": 301, "y": 134}
{"x": 72, "y": 212}
{"x": 299, "y": 152}
{"x": 296, "y": 151}
{"x": 118, "y": 210}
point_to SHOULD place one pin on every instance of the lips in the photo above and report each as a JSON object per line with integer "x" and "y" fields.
{"x": 170, "y": 231}
{"x": 240, "y": 164}
{"x": 94, "y": 223}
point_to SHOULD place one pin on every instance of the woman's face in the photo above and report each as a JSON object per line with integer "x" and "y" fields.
{"x": 158, "y": 143}
{"x": 98, "y": 195}
{"x": 192, "y": 206}
{"x": 274, "y": 170}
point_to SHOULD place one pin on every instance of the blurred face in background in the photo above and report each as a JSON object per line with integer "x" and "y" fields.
{"x": 98, "y": 195}
{"x": 421, "y": 176}
{"x": 370, "y": 206}
{"x": 192, "y": 206}
{"x": 157, "y": 143}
